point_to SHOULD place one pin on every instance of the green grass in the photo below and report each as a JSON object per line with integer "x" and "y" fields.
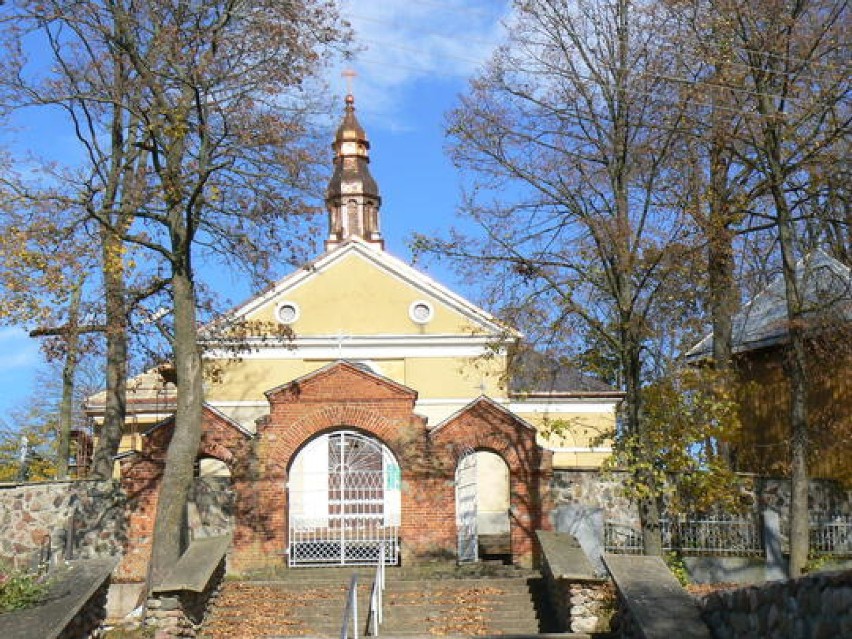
{"x": 20, "y": 590}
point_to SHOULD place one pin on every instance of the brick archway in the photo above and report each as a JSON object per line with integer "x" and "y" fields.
{"x": 338, "y": 396}
{"x": 343, "y": 500}
{"x": 485, "y": 425}
{"x": 337, "y": 417}
{"x": 342, "y": 395}
{"x": 221, "y": 439}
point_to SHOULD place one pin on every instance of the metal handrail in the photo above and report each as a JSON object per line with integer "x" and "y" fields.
{"x": 377, "y": 594}
{"x": 351, "y": 610}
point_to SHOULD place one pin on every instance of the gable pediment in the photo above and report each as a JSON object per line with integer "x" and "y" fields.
{"x": 484, "y": 410}
{"x": 358, "y": 290}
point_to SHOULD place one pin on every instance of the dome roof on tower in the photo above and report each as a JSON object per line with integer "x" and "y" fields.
{"x": 351, "y": 158}
{"x": 350, "y": 128}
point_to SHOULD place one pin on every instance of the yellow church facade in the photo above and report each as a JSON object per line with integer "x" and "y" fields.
{"x": 359, "y": 303}
{"x": 358, "y": 367}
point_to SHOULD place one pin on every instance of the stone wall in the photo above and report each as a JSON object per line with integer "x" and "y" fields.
{"x": 819, "y": 606}
{"x": 825, "y": 497}
{"x": 592, "y": 491}
{"x": 589, "y": 492}
{"x": 583, "y": 606}
{"x": 89, "y": 620}
{"x": 210, "y": 510}
{"x": 31, "y": 513}
{"x": 596, "y": 492}
{"x": 182, "y": 613}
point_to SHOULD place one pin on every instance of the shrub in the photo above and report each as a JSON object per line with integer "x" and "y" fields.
{"x": 20, "y": 590}
{"x": 677, "y": 565}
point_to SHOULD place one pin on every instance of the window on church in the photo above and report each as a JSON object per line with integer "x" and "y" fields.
{"x": 287, "y": 312}
{"x": 352, "y": 218}
{"x": 421, "y": 312}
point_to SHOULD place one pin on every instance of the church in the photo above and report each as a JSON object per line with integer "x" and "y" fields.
{"x": 378, "y": 415}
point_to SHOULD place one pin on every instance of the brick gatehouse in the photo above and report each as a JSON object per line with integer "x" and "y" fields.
{"x": 345, "y": 398}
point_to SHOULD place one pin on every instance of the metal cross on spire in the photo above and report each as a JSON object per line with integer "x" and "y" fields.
{"x": 349, "y": 75}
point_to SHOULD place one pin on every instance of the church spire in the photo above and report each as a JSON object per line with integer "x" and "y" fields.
{"x": 352, "y": 197}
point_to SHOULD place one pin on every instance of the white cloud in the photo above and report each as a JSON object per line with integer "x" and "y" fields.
{"x": 406, "y": 42}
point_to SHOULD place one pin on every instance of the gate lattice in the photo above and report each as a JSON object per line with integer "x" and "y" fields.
{"x": 468, "y": 538}
{"x": 344, "y": 502}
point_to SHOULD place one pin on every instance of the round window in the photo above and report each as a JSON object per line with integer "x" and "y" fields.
{"x": 421, "y": 312}
{"x": 287, "y": 313}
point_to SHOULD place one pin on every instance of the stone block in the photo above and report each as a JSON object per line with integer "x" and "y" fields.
{"x": 825, "y": 628}
{"x": 740, "y": 622}
{"x": 585, "y": 624}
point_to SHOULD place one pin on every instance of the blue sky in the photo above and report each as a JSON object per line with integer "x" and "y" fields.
{"x": 415, "y": 58}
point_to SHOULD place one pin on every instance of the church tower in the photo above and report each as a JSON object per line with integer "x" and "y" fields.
{"x": 352, "y": 197}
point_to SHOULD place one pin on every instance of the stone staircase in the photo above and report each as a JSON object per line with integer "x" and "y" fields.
{"x": 475, "y": 600}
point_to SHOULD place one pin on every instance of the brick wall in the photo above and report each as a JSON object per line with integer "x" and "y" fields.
{"x": 344, "y": 397}
{"x": 141, "y": 475}
{"x": 487, "y": 426}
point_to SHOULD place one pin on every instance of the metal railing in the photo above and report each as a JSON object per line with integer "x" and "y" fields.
{"x": 350, "y": 611}
{"x": 718, "y": 535}
{"x": 728, "y": 535}
{"x": 832, "y": 536}
{"x": 622, "y": 539}
{"x": 721, "y": 535}
{"x": 374, "y": 615}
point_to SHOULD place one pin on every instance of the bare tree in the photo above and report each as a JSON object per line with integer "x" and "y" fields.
{"x": 209, "y": 100}
{"x": 794, "y": 95}
{"x": 572, "y": 125}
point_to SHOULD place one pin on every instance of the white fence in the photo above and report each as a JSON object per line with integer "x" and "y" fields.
{"x": 728, "y": 536}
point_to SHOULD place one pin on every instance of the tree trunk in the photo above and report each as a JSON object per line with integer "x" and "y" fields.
{"x": 183, "y": 449}
{"x": 69, "y": 369}
{"x": 796, "y": 368}
{"x": 649, "y": 508}
{"x": 724, "y": 298}
{"x": 116, "y": 356}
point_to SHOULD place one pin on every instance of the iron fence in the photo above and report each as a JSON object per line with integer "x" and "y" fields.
{"x": 832, "y": 537}
{"x": 828, "y": 536}
{"x": 719, "y": 535}
{"x": 730, "y": 536}
{"x": 715, "y": 535}
{"x": 622, "y": 539}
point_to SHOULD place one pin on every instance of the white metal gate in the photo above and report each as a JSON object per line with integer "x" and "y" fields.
{"x": 468, "y": 539}
{"x": 344, "y": 502}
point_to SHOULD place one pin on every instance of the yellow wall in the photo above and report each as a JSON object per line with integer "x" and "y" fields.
{"x": 438, "y": 377}
{"x": 455, "y": 377}
{"x": 574, "y": 430}
{"x": 354, "y": 297}
{"x": 248, "y": 379}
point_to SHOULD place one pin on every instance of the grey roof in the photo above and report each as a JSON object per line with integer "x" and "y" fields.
{"x": 534, "y": 373}
{"x": 826, "y": 291}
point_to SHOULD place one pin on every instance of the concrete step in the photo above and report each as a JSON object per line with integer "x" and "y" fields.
{"x": 505, "y": 583}
{"x": 420, "y": 635}
{"x": 438, "y": 570}
{"x": 460, "y": 604}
